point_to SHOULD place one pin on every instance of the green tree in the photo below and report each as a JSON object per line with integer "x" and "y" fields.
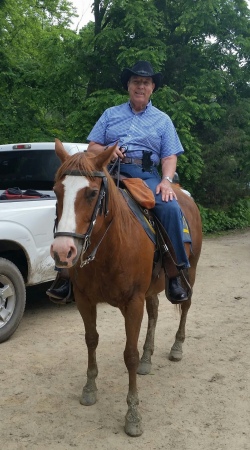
{"x": 56, "y": 83}
{"x": 36, "y": 51}
{"x": 202, "y": 49}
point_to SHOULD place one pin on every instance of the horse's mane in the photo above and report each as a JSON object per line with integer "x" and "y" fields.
{"x": 85, "y": 162}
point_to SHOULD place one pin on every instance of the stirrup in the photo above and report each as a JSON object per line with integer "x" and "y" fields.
{"x": 57, "y": 283}
{"x": 185, "y": 279}
{"x": 178, "y": 294}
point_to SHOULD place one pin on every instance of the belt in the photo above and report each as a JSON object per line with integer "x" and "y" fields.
{"x": 131, "y": 161}
{"x": 134, "y": 161}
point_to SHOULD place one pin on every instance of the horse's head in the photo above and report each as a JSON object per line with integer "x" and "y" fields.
{"x": 82, "y": 195}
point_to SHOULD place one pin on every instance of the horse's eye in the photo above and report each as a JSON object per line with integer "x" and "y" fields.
{"x": 91, "y": 194}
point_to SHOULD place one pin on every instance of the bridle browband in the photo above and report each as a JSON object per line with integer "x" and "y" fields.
{"x": 100, "y": 207}
{"x": 79, "y": 173}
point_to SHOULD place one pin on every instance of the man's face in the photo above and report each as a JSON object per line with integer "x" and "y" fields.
{"x": 140, "y": 90}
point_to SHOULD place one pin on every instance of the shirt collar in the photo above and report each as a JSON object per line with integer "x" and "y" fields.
{"x": 149, "y": 105}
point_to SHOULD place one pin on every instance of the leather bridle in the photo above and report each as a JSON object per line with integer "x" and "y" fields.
{"x": 101, "y": 207}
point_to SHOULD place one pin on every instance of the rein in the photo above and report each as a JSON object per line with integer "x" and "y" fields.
{"x": 101, "y": 206}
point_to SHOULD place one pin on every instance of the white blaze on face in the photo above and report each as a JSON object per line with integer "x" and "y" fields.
{"x": 72, "y": 185}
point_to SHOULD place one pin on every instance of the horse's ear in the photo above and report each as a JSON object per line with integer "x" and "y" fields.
{"x": 60, "y": 151}
{"x": 104, "y": 158}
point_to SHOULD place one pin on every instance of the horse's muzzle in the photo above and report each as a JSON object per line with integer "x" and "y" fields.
{"x": 64, "y": 251}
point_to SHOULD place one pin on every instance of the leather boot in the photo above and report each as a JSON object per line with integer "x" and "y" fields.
{"x": 175, "y": 293}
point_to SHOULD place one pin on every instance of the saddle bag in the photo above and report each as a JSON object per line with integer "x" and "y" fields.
{"x": 140, "y": 192}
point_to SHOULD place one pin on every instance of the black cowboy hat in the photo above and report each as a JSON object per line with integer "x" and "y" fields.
{"x": 141, "y": 69}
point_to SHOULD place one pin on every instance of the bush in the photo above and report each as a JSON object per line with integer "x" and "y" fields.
{"x": 237, "y": 216}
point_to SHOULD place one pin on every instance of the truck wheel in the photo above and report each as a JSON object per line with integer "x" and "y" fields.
{"x": 12, "y": 298}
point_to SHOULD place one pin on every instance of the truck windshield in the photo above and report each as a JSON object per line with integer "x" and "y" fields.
{"x": 28, "y": 169}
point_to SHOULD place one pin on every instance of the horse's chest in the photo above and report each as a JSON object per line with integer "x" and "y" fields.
{"x": 113, "y": 290}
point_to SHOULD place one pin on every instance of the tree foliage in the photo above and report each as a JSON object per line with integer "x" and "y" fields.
{"x": 55, "y": 82}
{"x": 202, "y": 50}
{"x": 36, "y": 48}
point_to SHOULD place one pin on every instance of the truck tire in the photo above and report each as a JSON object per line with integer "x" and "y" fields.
{"x": 12, "y": 298}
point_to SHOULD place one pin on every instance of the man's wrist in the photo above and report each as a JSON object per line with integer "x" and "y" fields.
{"x": 168, "y": 178}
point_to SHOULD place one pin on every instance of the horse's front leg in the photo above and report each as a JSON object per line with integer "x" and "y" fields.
{"x": 88, "y": 313}
{"x": 133, "y": 318}
{"x": 152, "y": 304}
{"x": 176, "y": 350}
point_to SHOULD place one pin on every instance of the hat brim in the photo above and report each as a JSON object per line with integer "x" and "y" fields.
{"x": 127, "y": 73}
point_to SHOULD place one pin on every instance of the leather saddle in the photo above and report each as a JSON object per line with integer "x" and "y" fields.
{"x": 141, "y": 200}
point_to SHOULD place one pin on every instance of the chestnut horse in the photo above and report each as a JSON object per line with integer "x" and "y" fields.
{"x": 110, "y": 259}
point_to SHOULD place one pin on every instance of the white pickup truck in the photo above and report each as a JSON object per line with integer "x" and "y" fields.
{"x": 27, "y": 214}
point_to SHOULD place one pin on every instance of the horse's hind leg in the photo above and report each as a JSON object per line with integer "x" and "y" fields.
{"x": 176, "y": 350}
{"x": 152, "y": 304}
{"x": 88, "y": 314}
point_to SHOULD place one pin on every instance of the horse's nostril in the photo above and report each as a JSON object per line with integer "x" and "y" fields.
{"x": 69, "y": 254}
{"x": 58, "y": 261}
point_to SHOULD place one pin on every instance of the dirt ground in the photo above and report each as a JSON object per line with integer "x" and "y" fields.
{"x": 200, "y": 403}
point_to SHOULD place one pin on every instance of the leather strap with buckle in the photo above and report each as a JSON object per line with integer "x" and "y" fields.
{"x": 127, "y": 160}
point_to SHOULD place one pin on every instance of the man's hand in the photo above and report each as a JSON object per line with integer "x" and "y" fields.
{"x": 168, "y": 165}
{"x": 96, "y": 148}
{"x": 118, "y": 153}
{"x": 167, "y": 193}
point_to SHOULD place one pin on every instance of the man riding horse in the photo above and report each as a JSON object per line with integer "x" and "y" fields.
{"x": 144, "y": 138}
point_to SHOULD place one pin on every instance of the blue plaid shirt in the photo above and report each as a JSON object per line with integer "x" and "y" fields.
{"x": 150, "y": 130}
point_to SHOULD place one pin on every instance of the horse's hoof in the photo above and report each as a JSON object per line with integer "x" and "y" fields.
{"x": 176, "y": 352}
{"x": 133, "y": 422}
{"x": 88, "y": 398}
{"x": 133, "y": 429}
{"x": 175, "y": 356}
{"x": 144, "y": 368}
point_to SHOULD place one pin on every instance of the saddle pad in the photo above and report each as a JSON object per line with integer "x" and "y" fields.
{"x": 135, "y": 208}
{"x": 139, "y": 215}
{"x": 186, "y": 232}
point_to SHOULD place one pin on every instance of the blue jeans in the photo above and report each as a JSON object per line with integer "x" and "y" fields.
{"x": 169, "y": 213}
